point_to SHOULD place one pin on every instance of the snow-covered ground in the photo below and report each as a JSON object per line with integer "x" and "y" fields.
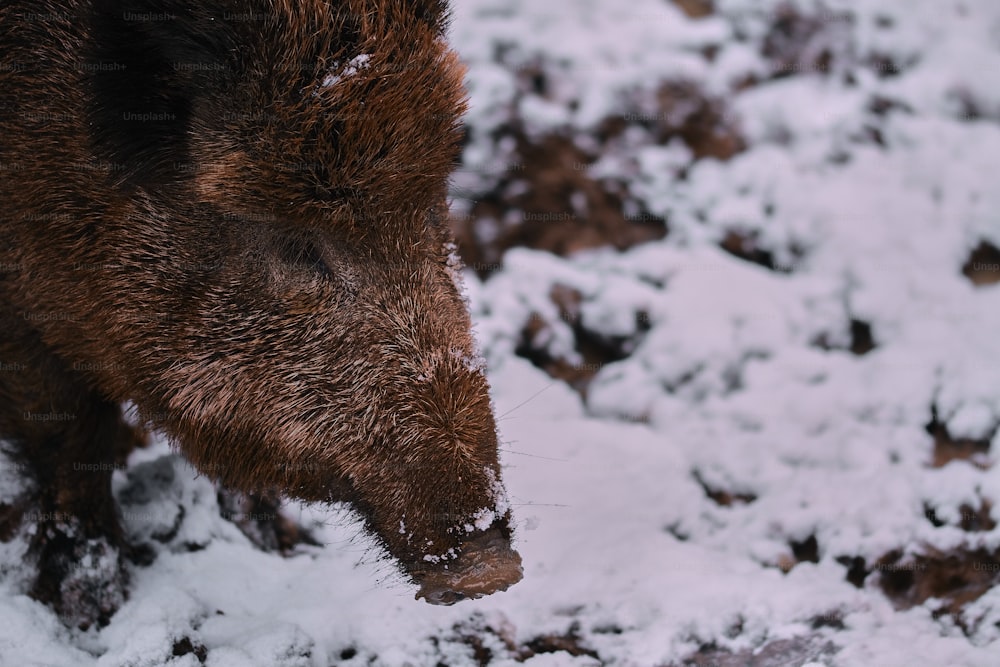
{"x": 742, "y": 488}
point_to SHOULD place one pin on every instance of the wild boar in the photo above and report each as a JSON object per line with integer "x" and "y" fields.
{"x": 232, "y": 213}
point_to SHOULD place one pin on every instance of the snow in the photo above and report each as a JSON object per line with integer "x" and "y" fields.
{"x": 727, "y": 388}
{"x": 340, "y": 71}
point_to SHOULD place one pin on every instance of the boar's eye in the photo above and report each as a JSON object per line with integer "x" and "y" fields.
{"x": 303, "y": 253}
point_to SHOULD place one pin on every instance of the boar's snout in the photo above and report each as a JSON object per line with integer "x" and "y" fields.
{"x": 487, "y": 564}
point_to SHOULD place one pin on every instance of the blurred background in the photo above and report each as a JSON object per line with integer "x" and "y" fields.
{"x": 745, "y": 255}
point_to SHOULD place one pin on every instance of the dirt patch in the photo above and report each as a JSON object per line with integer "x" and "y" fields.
{"x": 857, "y": 569}
{"x": 882, "y": 106}
{"x": 545, "y": 196}
{"x": 802, "y": 43}
{"x": 778, "y": 653}
{"x": 488, "y": 641}
{"x": 696, "y": 9}
{"x": 746, "y": 246}
{"x": 884, "y": 65}
{"x": 682, "y": 111}
{"x": 948, "y": 448}
{"x": 806, "y": 551}
{"x": 595, "y": 349}
{"x": 568, "y": 643}
{"x": 970, "y": 519}
{"x": 703, "y": 123}
{"x": 831, "y": 619}
{"x": 956, "y": 578}
{"x": 974, "y": 520}
{"x": 983, "y": 266}
{"x": 820, "y": 41}
{"x": 184, "y": 646}
{"x": 547, "y": 200}
{"x": 860, "y": 339}
{"x": 722, "y": 497}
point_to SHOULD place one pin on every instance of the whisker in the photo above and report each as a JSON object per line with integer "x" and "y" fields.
{"x": 528, "y": 400}
{"x": 534, "y": 456}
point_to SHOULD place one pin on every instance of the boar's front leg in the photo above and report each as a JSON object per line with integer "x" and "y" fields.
{"x": 68, "y": 439}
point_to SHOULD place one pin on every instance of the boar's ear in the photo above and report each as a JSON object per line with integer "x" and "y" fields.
{"x": 149, "y": 63}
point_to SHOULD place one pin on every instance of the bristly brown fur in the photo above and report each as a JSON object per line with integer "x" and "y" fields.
{"x": 229, "y": 213}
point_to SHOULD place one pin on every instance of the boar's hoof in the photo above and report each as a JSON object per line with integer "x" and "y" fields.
{"x": 82, "y": 579}
{"x": 486, "y": 565}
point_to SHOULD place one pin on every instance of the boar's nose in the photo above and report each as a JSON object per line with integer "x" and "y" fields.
{"x": 486, "y": 565}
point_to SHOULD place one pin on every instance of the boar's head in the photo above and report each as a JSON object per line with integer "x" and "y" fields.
{"x": 277, "y": 277}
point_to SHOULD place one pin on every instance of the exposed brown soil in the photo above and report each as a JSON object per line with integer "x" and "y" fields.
{"x": 185, "y": 646}
{"x": 569, "y": 643}
{"x": 546, "y": 197}
{"x": 862, "y": 339}
{"x": 595, "y": 349}
{"x": 722, "y": 497}
{"x": 983, "y": 266}
{"x": 948, "y": 448}
{"x": 696, "y": 9}
{"x": 817, "y": 42}
{"x": 488, "y": 641}
{"x": 857, "y": 569}
{"x": 970, "y": 519}
{"x": 703, "y": 123}
{"x": 800, "y": 42}
{"x": 746, "y": 246}
{"x": 957, "y": 578}
{"x": 743, "y": 245}
{"x": 979, "y": 520}
{"x": 881, "y": 105}
{"x": 778, "y": 653}
{"x": 806, "y": 551}
{"x": 684, "y": 112}
{"x": 547, "y": 200}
